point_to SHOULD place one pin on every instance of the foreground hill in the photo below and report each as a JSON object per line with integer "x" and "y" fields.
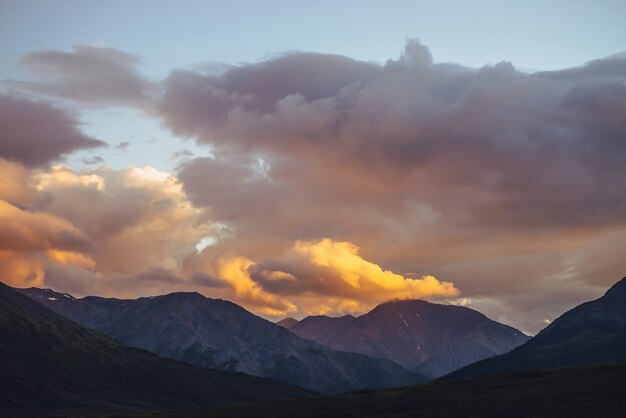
{"x": 430, "y": 338}
{"x": 49, "y": 363}
{"x": 596, "y": 391}
{"x": 222, "y": 335}
{"x": 594, "y": 332}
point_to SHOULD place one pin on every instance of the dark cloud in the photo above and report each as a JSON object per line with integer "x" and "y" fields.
{"x": 36, "y": 133}
{"x": 87, "y": 74}
{"x": 516, "y": 148}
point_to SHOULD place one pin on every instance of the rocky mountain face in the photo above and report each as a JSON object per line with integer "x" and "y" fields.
{"x": 49, "y": 363}
{"x": 593, "y": 332}
{"x": 222, "y": 335}
{"x": 430, "y": 338}
{"x": 287, "y": 322}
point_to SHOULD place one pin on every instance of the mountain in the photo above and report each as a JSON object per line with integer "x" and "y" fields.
{"x": 594, "y": 332}
{"x": 49, "y": 363}
{"x": 429, "y": 338}
{"x": 287, "y": 322}
{"x": 219, "y": 334}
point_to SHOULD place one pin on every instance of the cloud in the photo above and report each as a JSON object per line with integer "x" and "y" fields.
{"x": 93, "y": 160}
{"x": 517, "y": 148}
{"x": 140, "y": 217}
{"x": 31, "y": 239}
{"x": 327, "y": 268}
{"x": 430, "y": 168}
{"x": 127, "y": 227}
{"x": 25, "y": 230}
{"x": 35, "y": 133}
{"x": 93, "y": 75}
{"x": 310, "y": 277}
{"x": 14, "y": 187}
{"x": 506, "y": 183}
{"x": 123, "y": 146}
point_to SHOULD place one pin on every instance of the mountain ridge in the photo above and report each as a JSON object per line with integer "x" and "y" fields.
{"x": 49, "y": 362}
{"x": 216, "y": 333}
{"x": 592, "y": 332}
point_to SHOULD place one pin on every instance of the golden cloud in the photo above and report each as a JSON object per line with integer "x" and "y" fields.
{"x": 342, "y": 261}
{"x": 313, "y": 277}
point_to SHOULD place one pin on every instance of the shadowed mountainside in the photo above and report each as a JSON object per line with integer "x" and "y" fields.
{"x": 593, "y": 332}
{"x": 49, "y": 363}
{"x": 219, "y": 334}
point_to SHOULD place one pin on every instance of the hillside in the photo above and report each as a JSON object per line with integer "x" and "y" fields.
{"x": 49, "y": 363}
{"x": 593, "y": 332}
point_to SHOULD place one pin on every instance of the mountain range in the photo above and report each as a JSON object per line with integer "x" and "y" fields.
{"x": 428, "y": 338}
{"x": 593, "y": 332}
{"x": 49, "y": 363}
{"x": 221, "y": 335}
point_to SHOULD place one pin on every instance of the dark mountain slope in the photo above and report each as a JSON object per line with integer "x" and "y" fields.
{"x": 596, "y": 391}
{"x": 594, "y": 332}
{"x": 222, "y": 335}
{"x": 49, "y": 363}
{"x": 430, "y": 338}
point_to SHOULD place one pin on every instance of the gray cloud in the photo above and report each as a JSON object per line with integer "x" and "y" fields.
{"x": 36, "y": 133}
{"x": 517, "y": 148}
{"x": 93, "y": 160}
{"x": 87, "y": 74}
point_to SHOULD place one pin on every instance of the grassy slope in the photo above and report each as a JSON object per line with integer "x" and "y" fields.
{"x": 49, "y": 363}
{"x": 578, "y": 392}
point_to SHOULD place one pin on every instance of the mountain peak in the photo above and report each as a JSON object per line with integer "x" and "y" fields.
{"x": 178, "y": 295}
{"x": 287, "y": 322}
{"x": 618, "y": 289}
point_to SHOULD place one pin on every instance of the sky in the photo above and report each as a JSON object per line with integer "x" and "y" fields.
{"x": 302, "y": 159}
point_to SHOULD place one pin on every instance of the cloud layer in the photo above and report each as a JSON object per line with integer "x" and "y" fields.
{"x": 334, "y": 184}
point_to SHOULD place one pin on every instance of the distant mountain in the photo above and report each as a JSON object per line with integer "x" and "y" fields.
{"x": 429, "y": 338}
{"x": 222, "y": 335}
{"x": 594, "y": 332}
{"x": 287, "y": 322}
{"x": 49, "y": 363}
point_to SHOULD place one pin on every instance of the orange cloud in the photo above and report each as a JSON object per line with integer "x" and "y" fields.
{"x": 234, "y": 270}
{"x": 342, "y": 261}
{"x": 313, "y": 277}
{"x": 30, "y": 240}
